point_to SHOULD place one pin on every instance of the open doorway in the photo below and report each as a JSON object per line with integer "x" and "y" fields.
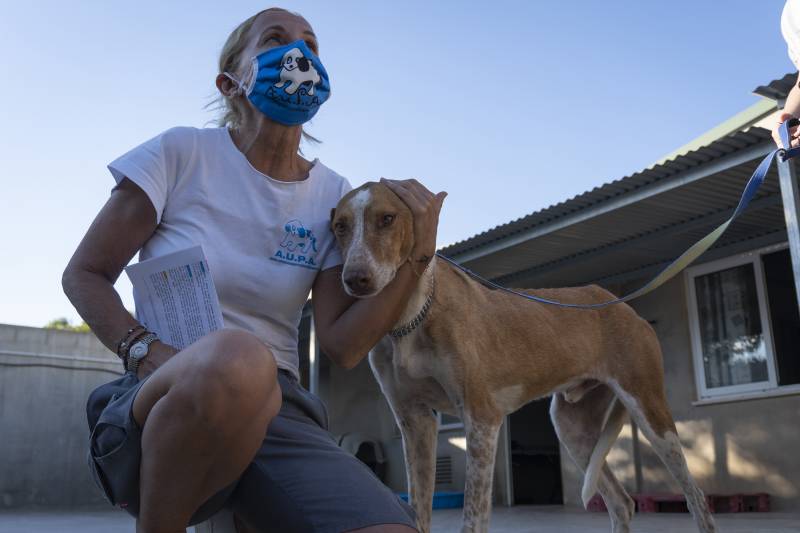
{"x": 535, "y": 455}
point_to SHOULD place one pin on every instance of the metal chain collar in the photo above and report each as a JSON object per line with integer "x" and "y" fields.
{"x": 404, "y": 330}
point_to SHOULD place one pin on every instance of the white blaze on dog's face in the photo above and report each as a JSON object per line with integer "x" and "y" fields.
{"x": 375, "y": 233}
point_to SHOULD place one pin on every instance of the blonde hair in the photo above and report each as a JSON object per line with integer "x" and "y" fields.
{"x": 231, "y": 111}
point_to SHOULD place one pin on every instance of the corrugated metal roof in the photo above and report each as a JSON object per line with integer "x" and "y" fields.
{"x": 646, "y": 232}
{"x": 608, "y": 191}
{"x": 777, "y": 89}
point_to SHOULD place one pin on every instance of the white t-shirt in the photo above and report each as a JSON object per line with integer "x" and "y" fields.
{"x": 790, "y": 28}
{"x": 265, "y": 240}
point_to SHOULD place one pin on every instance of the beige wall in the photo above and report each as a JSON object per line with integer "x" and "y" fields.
{"x": 736, "y": 447}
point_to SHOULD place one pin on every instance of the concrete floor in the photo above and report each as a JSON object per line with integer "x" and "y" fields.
{"x": 557, "y": 519}
{"x": 520, "y": 519}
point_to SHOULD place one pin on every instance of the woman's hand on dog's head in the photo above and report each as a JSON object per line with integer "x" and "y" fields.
{"x": 425, "y": 207}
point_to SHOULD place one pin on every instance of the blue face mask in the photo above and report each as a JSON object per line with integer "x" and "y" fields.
{"x": 287, "y": 83}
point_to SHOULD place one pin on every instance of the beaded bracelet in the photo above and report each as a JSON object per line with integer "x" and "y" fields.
{"x": 123, "y": 344}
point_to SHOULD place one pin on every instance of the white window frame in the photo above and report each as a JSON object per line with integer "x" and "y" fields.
{"x": 752, "y": 257}
{"x": 447, "y": 427}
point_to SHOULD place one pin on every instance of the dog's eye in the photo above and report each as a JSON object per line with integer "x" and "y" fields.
{"x": 387, "y": 220}
{"x": 340, "y": 228}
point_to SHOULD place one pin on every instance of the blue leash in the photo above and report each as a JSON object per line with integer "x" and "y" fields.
{"x": 689, "y": 255}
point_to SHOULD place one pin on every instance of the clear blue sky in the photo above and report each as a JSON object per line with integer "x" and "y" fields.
{"x": 509, "y": 106}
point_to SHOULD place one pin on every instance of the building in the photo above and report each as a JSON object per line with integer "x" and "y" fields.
{"x": 729, "y": 325}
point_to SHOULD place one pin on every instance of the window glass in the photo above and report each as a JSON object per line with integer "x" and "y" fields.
{"x": 782, "y": 298}
{"x": 449, "y": 419}
{"x": 732, "y": 340}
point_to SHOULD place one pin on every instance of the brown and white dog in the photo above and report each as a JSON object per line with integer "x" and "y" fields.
{"x": 480, "y": 354}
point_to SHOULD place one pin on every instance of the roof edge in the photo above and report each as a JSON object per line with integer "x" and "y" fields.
{"x": 740, "y": 121}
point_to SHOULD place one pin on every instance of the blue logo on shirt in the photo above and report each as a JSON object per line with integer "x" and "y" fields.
{"x": 298, "y": 247}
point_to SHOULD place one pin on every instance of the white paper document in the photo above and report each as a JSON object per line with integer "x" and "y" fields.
{"x": 175, "y": 296}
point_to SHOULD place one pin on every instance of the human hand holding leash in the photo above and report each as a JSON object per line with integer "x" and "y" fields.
{"x": 425, "y": 207}
{"x": 794, "y": 133}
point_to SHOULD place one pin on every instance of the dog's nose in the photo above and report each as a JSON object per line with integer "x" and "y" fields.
{"x": 357, "y": 281}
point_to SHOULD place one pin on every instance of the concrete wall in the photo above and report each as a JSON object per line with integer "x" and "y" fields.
{"x": 736, "y": 447}
{"x": 45, "y": 378}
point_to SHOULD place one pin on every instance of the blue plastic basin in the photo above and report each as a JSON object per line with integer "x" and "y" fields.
{"x": 442, "y": 500}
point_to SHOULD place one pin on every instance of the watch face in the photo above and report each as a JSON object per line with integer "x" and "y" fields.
{"x": 138, "y": 350}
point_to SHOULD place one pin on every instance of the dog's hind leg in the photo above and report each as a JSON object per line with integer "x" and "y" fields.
{"x": 651, "y": 413}
{"x": 481, "y": 450}
{"x": 587, "y": 428}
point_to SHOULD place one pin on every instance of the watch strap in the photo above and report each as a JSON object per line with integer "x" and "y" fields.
{"x": 132, "y": 363}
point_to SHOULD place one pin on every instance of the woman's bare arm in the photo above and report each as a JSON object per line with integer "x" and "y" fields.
{"x": 119, "y": 230}
{"x": 347, "y": 327}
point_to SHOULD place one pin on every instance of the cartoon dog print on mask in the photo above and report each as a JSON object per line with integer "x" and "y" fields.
{"x": 298, "y": 70}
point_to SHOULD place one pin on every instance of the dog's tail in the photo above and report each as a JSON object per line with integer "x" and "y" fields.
{"x": 612, "y": 425}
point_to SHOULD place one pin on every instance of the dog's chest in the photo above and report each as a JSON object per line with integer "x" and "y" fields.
{"x": 415, "y": 370}
{"x": 416, "y": 356}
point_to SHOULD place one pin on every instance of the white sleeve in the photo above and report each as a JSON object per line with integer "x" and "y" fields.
{"x": 790, "y": 28}
{"x": 154, "y": 165}
{"x": 334, "y": 258}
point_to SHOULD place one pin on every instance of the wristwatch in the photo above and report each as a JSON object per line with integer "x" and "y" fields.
{"x": 138, "y": 351}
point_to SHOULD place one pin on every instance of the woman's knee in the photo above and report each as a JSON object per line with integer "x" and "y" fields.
{"x": 236, "y": 374}
{"x": 238, "y": 360}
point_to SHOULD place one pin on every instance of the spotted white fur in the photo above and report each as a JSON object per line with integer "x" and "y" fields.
{"x": 481, "y": 451}
{"x": 669, "y": 450}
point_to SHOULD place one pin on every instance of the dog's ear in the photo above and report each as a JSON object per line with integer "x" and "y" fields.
{"x": 302, "y": 64}
{"x": 333, "y": 214}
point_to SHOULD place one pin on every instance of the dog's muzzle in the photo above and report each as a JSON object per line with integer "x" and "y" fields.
{"x": 358, "y": 282}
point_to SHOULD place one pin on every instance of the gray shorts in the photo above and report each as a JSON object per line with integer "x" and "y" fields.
{"x": 299, "y": 480}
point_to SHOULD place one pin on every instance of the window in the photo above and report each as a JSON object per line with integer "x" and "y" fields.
{"x": 784, "y": 315}
{"x": 447, "y": 422}
{"x": 744, "y": 323}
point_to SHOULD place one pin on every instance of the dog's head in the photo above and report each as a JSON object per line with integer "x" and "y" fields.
{"x": 291, "y": 59}
{"x": 375, "y": 233}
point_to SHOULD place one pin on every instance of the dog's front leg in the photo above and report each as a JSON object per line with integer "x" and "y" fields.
{"x": 418, "y": 426}
{"x": 481, "y": 451}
